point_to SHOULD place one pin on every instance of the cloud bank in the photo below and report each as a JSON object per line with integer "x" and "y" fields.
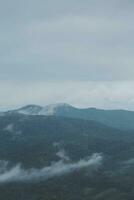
{"x": 107, "y": 95}
{"x": 18, "y": 174}
{"x": 66, "y": 40}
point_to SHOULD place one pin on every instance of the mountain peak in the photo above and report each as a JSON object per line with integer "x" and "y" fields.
{"x": 53, "y": 108}
{"x": 40, "y": 110}
{"x": 31, "y": 106}
{"x": 30, "y": 109}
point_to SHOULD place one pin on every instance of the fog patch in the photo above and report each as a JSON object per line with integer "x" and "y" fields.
{"x": 18, "y": 174}
{"x": 62, "y": 155}
{"x": 9, "y": 128}
{"x": 129, "y": 162}
{"x": 56, "y": 144}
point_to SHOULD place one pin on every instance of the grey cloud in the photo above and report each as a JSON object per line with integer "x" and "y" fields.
{"x": 107, "y": 95}
{"x": 66, "y": 40}
{"x": 41, "y": 9}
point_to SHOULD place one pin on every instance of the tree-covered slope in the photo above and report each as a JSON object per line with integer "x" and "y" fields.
{"x": 47, "y": 157}
{"x": 122, "y": 119}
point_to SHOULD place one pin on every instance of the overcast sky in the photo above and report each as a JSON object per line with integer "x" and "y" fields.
{"x": 70, "y": 51}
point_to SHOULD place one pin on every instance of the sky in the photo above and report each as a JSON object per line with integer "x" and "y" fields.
{"x": 78, "y": 52}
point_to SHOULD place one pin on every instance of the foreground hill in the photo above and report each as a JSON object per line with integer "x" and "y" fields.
{"x": 48, "y": 157}
{"x": 116, "y": 118}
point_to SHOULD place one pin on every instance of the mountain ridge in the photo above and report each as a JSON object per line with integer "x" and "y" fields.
{"x": 122, "y": 119}
{"x": 35, "y": 146}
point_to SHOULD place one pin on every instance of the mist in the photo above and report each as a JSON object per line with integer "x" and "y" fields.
{"x": 18, "y": 174}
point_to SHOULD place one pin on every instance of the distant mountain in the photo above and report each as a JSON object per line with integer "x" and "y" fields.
{"x": 52, "y": 109}
{"x": 122, "y": 119}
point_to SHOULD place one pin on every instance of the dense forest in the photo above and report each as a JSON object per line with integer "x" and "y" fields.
{"x": 49, "y": 157}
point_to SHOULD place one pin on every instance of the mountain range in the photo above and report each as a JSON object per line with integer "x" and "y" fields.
{"x": 122, "y": 119}
{"x": 62, "y": 152}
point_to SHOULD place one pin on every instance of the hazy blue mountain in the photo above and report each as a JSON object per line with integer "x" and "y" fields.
{"x": 122, "y": 119}
{"x": 52, "y": 158}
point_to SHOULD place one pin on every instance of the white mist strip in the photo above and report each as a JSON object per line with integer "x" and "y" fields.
{"x": 56, "y": 169}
